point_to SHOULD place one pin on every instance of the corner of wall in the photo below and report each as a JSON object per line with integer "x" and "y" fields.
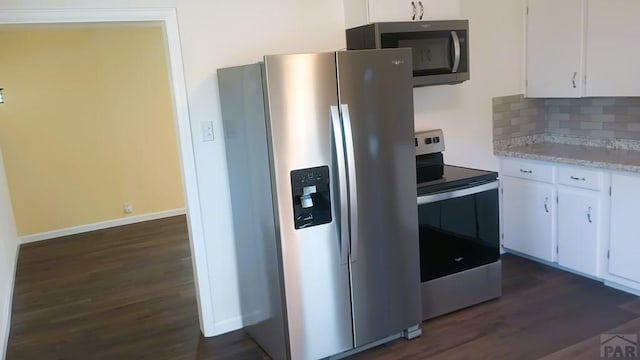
{"x": 5, "y": 311}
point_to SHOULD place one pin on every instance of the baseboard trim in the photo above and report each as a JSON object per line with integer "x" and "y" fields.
{"x": 5, "y": 346}
{"x": 26, "y": 239}
{"x": 228, "y": 325}
{"x": 622, "y": 287}
{"x": 253, "y": 318}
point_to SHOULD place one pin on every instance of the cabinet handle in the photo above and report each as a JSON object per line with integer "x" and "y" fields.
{"x": 546, "y": 204}
{"x": 589, "y": 215}
{"x": 421, "y": 9}
{"x": 526, "y": 171}
{"x": 573, "y": 81}
{"x": 415, "y": 11}
{"x": 578, "y": 179}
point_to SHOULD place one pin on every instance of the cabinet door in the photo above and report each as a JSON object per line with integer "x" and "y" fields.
{"x": 439, "y": 9}
{"x": 612, "y": 52}
{"x": 361, "y": 12}
{"x": 624, "y": 244}
{"x": 393, "y": 10}
{"x": 555, "y": 48}
{"x": 579, "y": 225}
{"x": 529, "y": 217}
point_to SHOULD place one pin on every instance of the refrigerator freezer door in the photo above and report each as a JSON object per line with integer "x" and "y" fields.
{"x": 259, "y": 282}
{"x": 385, "y": 275}
{"x": 300, "y": 91}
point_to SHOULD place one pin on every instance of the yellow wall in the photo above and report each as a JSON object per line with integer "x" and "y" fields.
{"x": 87, "y": 125}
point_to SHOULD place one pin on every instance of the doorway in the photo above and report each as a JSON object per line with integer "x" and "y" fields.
{"x": 168, "y": 20}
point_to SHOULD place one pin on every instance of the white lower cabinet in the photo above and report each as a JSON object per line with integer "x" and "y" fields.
{"x": 585, "y": 219}
{"x": 528, "y": 210}
{"x": 624, "y": 256}
{"x": 579, "y": 229}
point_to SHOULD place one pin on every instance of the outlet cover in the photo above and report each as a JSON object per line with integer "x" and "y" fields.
{"x": 127, "y": 208}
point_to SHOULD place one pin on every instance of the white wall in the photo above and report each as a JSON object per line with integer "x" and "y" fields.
{"x": 227, "y": 32}
{"x": 464, "y": 111}
{"x": 8, "y": 257}
{"x": 217, "y": 34}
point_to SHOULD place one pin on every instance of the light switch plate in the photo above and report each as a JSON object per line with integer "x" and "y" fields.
{"x": 207, "y": 130}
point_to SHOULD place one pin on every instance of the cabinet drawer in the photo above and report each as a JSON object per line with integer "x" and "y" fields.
{"x": 583, "y": 178}
{"x": 527, "y": 170}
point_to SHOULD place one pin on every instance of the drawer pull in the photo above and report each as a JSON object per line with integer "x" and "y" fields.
{"x": 578, "y": 179}
{"x": 589, "y": 215}
{"x": 526, "y": 171}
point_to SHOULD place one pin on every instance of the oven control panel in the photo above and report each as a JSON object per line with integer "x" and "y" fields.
{"x": 429, "y": 142}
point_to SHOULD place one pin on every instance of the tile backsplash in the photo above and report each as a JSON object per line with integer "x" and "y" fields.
{"x": 515, "y": 116}
{"x": 600, "y": 118}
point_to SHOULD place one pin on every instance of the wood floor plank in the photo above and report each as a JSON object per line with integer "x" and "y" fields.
{"x": 128, "y": 293}
{"x": 632, "y": 306}
{"x": 590, "y": 348}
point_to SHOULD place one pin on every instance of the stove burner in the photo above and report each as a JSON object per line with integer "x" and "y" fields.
{"x": 429, "y": 167}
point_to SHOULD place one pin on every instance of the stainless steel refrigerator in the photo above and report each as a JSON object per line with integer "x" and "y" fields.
{"x": 321, "y": 159}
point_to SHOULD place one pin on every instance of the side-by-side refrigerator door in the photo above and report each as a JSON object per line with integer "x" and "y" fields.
{"x": 301, "y": 91}
{"x": 376, "y": 96}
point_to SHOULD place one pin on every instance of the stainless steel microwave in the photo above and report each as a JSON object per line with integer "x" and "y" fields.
{"x": 440, "y": 48}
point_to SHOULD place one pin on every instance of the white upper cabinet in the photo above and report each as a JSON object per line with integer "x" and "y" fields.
{"x": 362, "y": 12}
{"x": 613, "y": 54}
{"x": 579, "y": 48}
{"x": 403, "y": 10}
{"x": 440, "y": 9}
{"x": 555, "y": 47}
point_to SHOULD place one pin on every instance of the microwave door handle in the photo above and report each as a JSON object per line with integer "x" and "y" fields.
{"x": 342, "y": 183}
{"x": 456, "y": 51}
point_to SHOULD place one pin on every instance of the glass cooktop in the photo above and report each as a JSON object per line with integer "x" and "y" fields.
{"x": 456, "y": 177}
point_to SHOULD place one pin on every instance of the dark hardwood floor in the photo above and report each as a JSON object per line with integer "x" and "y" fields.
{"x": 128, "y": 293}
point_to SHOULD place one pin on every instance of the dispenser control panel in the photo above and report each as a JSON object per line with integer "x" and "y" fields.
{"x": 311, "y": 197}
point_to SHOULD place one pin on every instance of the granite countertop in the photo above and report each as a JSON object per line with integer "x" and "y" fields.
{"x": 575, "y": 154}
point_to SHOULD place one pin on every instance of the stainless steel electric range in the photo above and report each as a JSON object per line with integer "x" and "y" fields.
{"x": 459, "y": 231}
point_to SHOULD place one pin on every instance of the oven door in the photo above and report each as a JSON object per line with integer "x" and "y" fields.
{"x": 459, "y": 230}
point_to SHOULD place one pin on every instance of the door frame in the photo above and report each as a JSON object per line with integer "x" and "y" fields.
{"x": 169, "y": 20}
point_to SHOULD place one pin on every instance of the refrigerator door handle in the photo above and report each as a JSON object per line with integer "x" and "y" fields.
{"x": 353, "y": 191}
{"x": 342, "y": 183}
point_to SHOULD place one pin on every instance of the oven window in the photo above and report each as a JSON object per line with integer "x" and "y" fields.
{"x": 430, "y": 56}
{"x": 458, "y": 234}
{"x": 433, "y": 51}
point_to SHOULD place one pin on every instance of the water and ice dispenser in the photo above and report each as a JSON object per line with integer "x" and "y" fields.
{"x": 311, "y": 197}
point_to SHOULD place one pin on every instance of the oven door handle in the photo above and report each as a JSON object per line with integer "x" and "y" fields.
{"x": 456, "y": 193}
